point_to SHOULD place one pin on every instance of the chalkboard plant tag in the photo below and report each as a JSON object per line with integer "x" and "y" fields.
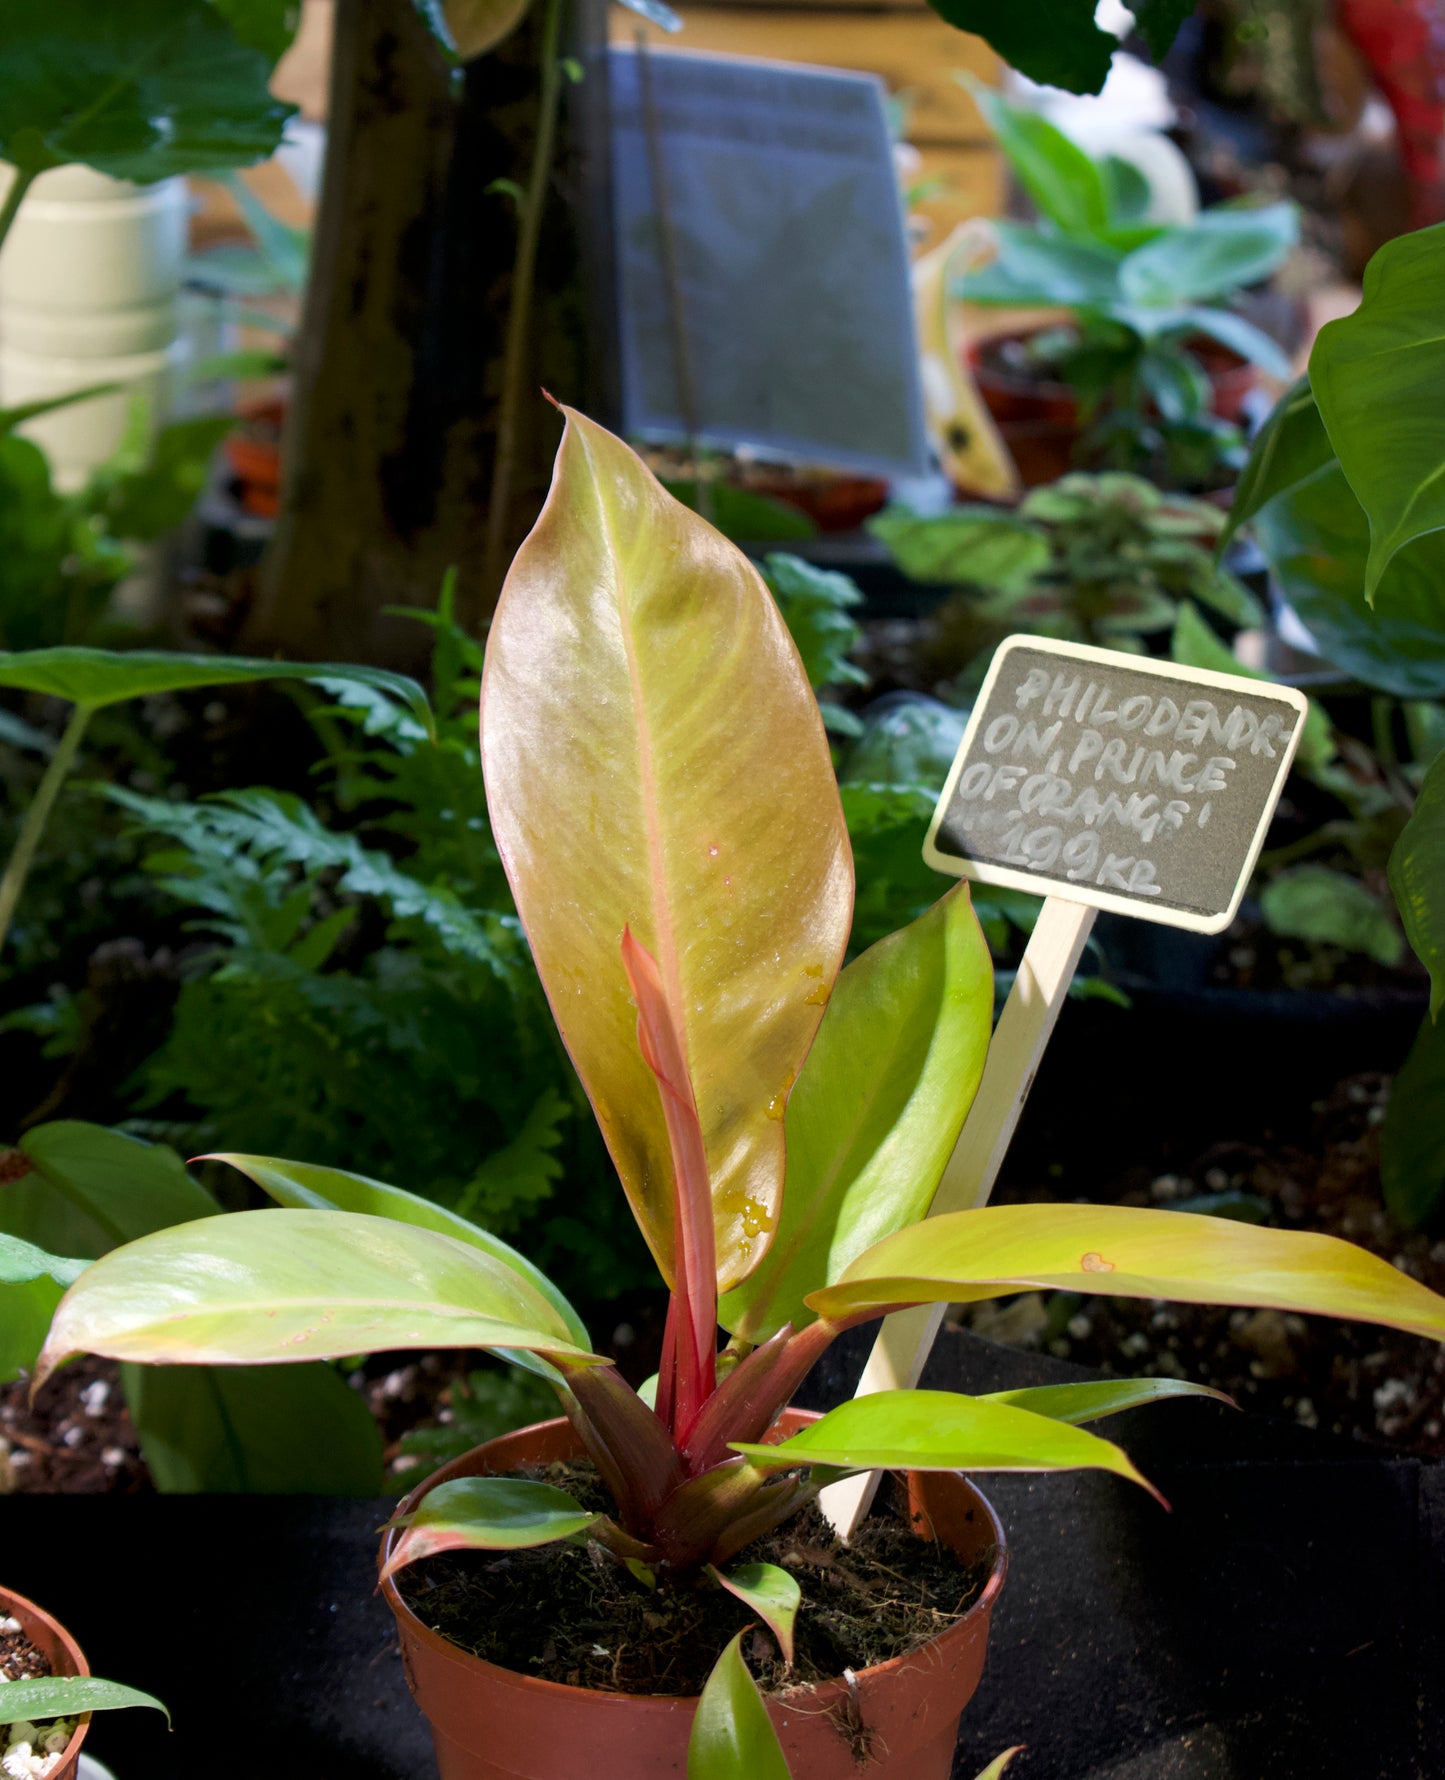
{"x": 1096, "y": 780}
{"x": 1124, "y": 783}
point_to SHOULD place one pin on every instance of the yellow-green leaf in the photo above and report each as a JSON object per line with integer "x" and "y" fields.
{"x": 772, "y": 1594}
{"x": 942, "y": 1431}
{"x": 877, "y": 1109}
{"x": 1095, "y": 1398}
{"x": 655, "y": 760}
{"x": 486, "y": 1514}
{"x": 265, "y": 1286}
{"x": 1121, "y": 1251}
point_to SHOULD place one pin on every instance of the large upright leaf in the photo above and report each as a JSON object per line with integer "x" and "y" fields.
{"x": 1316, "y": 539}
{"x": 262, "y": 1430}
{"x": 1055, "y": 42}
{"x": 308, "y": 1186}
{"x": 877, "y": 1109}
{"x": 1417, "y": 876}
{"x": 1379, "y": 376}
{"x": 1120, "y": 1251}
{"x": 655, "y": 760}
{"x": 732, "y": 1736}
{"x": 139, "y": 89}
{"x": 266, "y": 25}
{"x": 266, "y": 1286}
{"x": 98, "y": 677}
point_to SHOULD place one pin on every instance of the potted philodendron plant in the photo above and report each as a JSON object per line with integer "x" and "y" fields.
{"x": 660, "y": 787}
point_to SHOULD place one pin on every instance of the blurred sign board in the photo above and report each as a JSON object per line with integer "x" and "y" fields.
{"x": 773, "y": 262}
{"x": 1116, "y": 781}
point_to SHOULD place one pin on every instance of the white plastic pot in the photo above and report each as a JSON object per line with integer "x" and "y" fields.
{"x": 90, "y": 278}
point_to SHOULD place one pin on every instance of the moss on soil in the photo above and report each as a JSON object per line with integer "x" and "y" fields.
{"x": 573, "y": 1614}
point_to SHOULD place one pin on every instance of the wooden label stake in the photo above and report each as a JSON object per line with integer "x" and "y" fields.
{"x": 1097, "y": 780}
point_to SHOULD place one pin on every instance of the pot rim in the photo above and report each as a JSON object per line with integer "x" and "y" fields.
{"x": 980, "y": 1607}
{"x": 20, "y": 1607}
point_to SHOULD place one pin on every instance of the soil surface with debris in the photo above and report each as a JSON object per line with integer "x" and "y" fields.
{"x": 1376, "y": 1384}
{"x": 574, "y": 1614}
{"x": 20, "y": 1660}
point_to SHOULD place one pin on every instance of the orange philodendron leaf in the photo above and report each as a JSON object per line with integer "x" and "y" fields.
{"x": 655, "y": 763}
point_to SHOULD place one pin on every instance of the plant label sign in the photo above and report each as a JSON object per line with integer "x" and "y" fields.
{"x": 1116, "y": 781}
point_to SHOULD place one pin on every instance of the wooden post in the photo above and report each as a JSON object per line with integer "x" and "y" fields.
{"x": 906, "y": 1338}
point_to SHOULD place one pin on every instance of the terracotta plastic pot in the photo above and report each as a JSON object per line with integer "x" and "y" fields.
{"x": 65, "y": 1657}
{"x": 898, "y": 1721}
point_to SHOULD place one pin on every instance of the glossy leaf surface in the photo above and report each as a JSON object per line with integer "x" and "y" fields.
{"x": 732, "y": 1736}
{"x": 655, "y": 761}
{"x": 1124, "y": 1252}
{"x": 138, "y": 89}
{"x": 98, "y": 677}
{"x": 772, "y": 1594}
{"x": 65, "y": 1696}
{"x": 1089, "y": 1401}
{"x": 307, "y": 1186}
{"x": 1377, "y": 376}
{"x": 266, "y": 1286}
{"x": 1417, "y": 876}
{"x": 486, "y": 1514}
{"x": 942, "y": 1431}
{"x": 1317, "y": 540}
{"x": 877, "y": 1109}
{"x": 255, "y": 1430}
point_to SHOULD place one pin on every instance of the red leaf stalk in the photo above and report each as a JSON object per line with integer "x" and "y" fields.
{"x": 695, "y": 1288}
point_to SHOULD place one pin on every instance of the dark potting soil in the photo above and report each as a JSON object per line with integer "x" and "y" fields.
{"x": 20, "y": 1660}
{"x": 77, "y": 1439}
{"x": 575, "y": 1615}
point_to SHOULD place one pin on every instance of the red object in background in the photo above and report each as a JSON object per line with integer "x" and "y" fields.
{"x": 1404, "y": 43}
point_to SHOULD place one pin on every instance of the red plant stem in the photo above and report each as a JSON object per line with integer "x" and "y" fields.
{"x": 666, "y": 1404}
{"x": 753, "y": 1395}
{"x": 695, "y": 1258}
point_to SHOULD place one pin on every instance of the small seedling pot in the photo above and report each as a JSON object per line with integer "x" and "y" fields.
{"x": 65, "y": 1657}
{"x": 897, "y": 1721}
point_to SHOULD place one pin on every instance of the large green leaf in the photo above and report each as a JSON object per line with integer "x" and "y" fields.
{"x": 487, "y": 1514}
{"x": 656, "y": 765}
{"x": 139, "y": 89}
{"x": 1412, "y": 1140}
{"x": 1096, "y": 1398}
{"x": 732, "y": 1736}
{"x": 1120, "y": 1251}
{"x": 98, "y": 677}
{"x": 307, "y": 1186}
{"x": 968, "y": 546}
{"x": 1330, "y": 908}
{"x": 1055, "y": 42}
{"x": 31, "y": 1283}
{"x": 1289, "y": 448}
{"x": 1217, "y": 253}
{"x": 266, "y": 1286}
{"x": 67, "y": 1696}
{"x": 266, "y": 25}
{"x": 120, "y": 1185}
{"x": 941, "y": 1431}
{"x": 1066, "y": 184}
{"x": 1377, "y": 376}
{"x": 772, "y": 1594}
{"x": 271, "y": 1430}
{"x": 1316, "y": 538}
{"x": 1417, "y": 876}
{"x": 877, "y": 1109}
